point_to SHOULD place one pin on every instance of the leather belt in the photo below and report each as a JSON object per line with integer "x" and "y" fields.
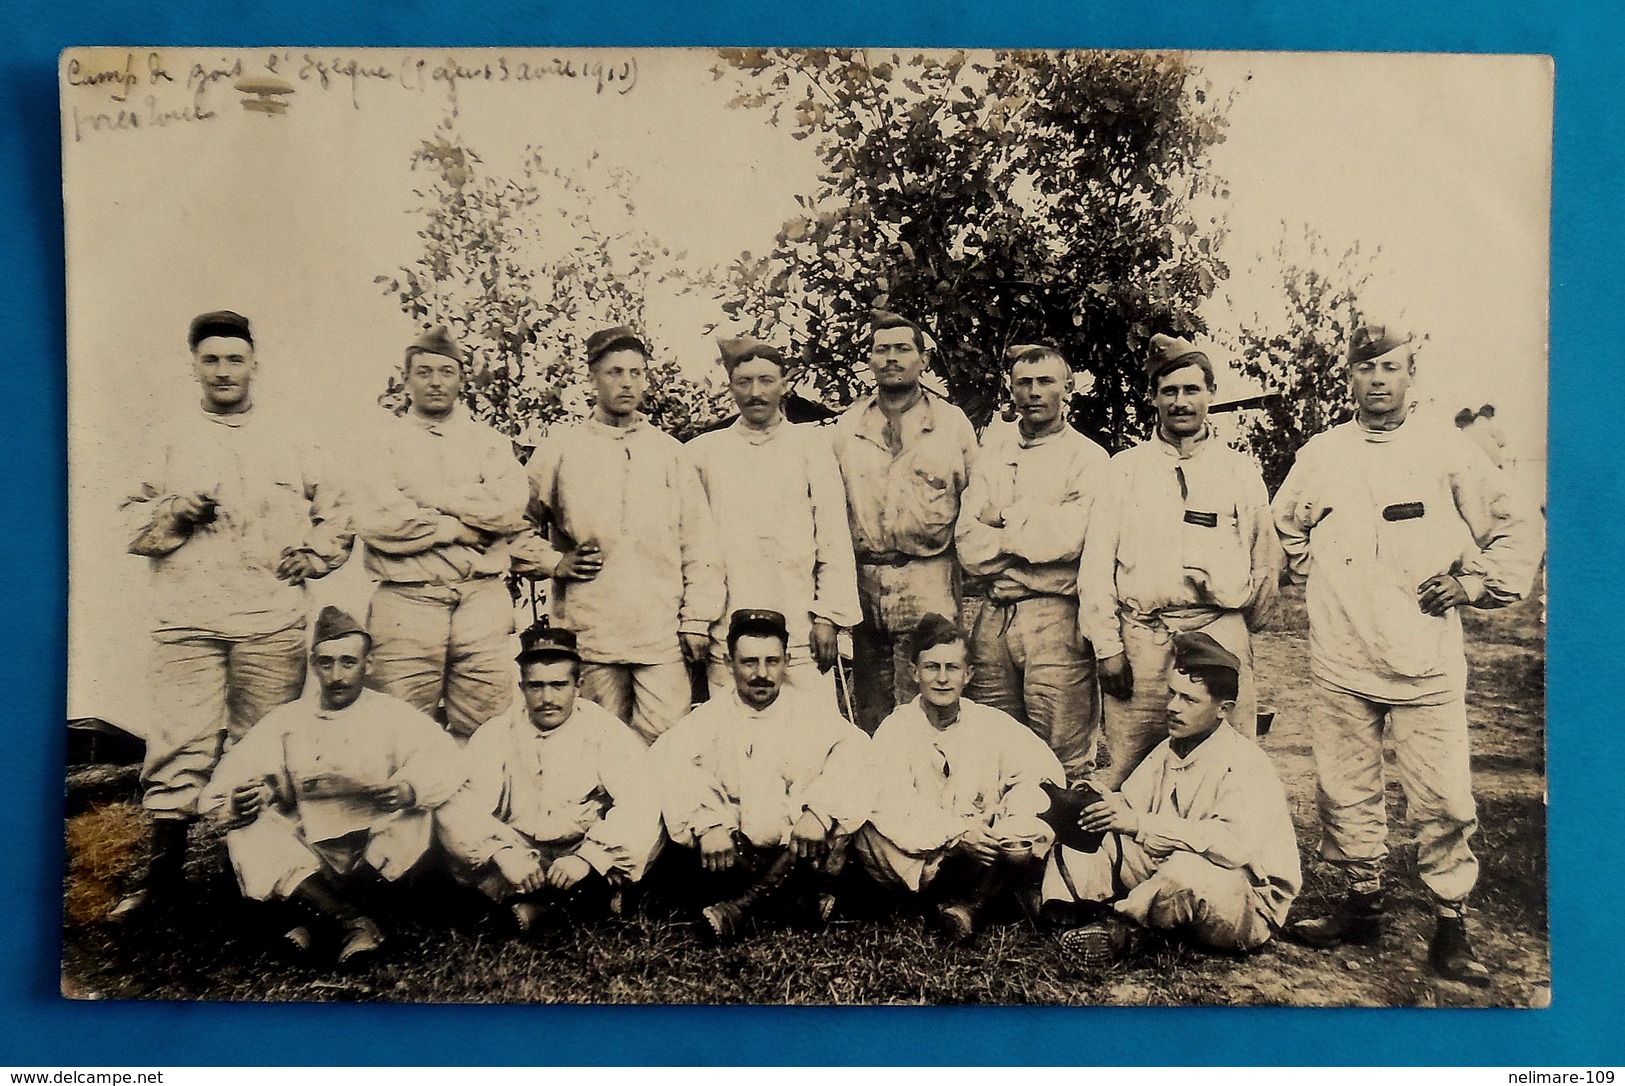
{"x": 891, "y": 559}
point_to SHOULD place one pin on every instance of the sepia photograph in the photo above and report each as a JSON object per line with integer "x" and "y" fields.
{"x": 806, "y": 526}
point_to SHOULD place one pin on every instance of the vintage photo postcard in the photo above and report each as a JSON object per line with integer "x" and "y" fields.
{"x": 850, "y": 526}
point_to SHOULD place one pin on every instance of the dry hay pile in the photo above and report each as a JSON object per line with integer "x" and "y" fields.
{"x": 105, "y": 849}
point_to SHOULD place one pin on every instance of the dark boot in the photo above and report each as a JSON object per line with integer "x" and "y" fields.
{"x": 727, "y": 918}
{"x": 816, "y": 899}
{"x": 1357, "y": 919}
{"x": 960, "y": 916}
{"x": 163, "y": 886}
{"x": 1451, "y": 952}
{"x": 531, "y": 912}
{"x": 361, "y": 936}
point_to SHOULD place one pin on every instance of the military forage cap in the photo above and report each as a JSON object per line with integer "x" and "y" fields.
{"x": 333, "y": 623}
{"x": 605, "y": 340}
{"x": 436, "y": 340}
{"x": 1371, "y": 341}
{"x": 1066, "y": 807}
{"x": 757, "y": 622}
{"x": 222, "y": 322}
{"x": 547, "y": 642}
{"x": 1200, "y": 650}
{"x": 1173, "y": 352}
{"x": 743, "y": 348}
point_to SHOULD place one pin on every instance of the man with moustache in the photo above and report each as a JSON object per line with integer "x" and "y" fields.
{"x": 780, "y": 508}
{"x": 235, "y": 513}
{"x": 766, "y": 785}
{"x": 631, "y": 544}
{"x": 1021, "y": 526}
{"x": 1198, "y": 843}
{"x": 905, "y": 456}
{"x": 1180, "y": 539}
{"x": 959, "y": 787}
{"x": 322, "y": 796}
{"x": 1397, "y": 525}
{"x": 439, "y": 516}
{"x": 559, "y": 802}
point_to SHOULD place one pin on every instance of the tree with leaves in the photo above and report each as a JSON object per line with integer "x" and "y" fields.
{"x": 522, "y": 269}
{"x": 1031, "y": 197}
{"x": 1299, "y": 355}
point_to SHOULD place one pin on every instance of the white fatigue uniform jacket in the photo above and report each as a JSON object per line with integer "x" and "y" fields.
{"x": 585, "y": 781}
{"x": 1366, "y": 516}
{"x": 1224, "y": 803}
{"x": 904, "y": 505}
{"x": 728, "y": 765}
{"x": 456, "y": 467}
{"x": 274, "y": 492}
{"x": 1045, "y": 486}
{"x": 375, "y": 740}
{"x": 780, "y": 510}
{"x": 635, "y": 493}
{"x": 1175, "y": 531}
{"x": 984, "y": 768}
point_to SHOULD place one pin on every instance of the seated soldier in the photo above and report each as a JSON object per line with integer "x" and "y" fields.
{"x": 319, "y": 795}
{"x": 767, "y": 783}
{"x": 958, "y": 789}
{"x": 1198, "y": 843}
{"x": 559, "y": 801}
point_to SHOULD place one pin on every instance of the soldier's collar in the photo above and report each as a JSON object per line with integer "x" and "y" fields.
{"x": 457, "y": 415}
{"x": 1188, "y": 447}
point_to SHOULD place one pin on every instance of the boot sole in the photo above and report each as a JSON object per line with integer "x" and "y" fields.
{"x": 724, "y": 928}
{"x": 1090, "y": 947}
{"x": 1460, "y": 974}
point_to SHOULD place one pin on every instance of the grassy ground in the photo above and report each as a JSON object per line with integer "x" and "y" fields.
{"x": 452, "y": 953}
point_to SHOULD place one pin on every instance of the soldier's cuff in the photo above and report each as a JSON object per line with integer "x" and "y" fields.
{"x": 597, "y": 858}
{"x": 1474, "y": 586}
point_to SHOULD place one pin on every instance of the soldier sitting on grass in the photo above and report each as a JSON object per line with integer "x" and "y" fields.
{"x": 765, "y": 784}
{"x": 321, "y": 797}
{"x": 559, "y": 802}
{"x": 1199, "y": 842}
{"x": 959, "y": 790}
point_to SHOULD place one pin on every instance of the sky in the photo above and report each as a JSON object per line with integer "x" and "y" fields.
{"x": 1441, "y": 163}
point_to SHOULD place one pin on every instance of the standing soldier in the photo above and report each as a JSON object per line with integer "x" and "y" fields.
{"x": 633, "y": 548}
{"x": 905, "y": 455}
{"x": 1180, "y": 539}
{"x": 438, "y": 523}
{"x": 1396, "y": 526}
{"x": 1021, "y": 523}
{"x": 780, "y": 510}
{"x": 235, "y": 515}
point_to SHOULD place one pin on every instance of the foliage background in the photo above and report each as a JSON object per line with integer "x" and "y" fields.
{"x": 1580, "y": 1028}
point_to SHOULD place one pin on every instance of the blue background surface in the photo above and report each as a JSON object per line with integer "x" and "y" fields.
{"x": 1587, "y": 738}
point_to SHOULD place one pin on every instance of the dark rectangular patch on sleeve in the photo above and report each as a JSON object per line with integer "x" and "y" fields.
{"x": 1403, "y": 511}
{"x": 1204, "y": 520}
